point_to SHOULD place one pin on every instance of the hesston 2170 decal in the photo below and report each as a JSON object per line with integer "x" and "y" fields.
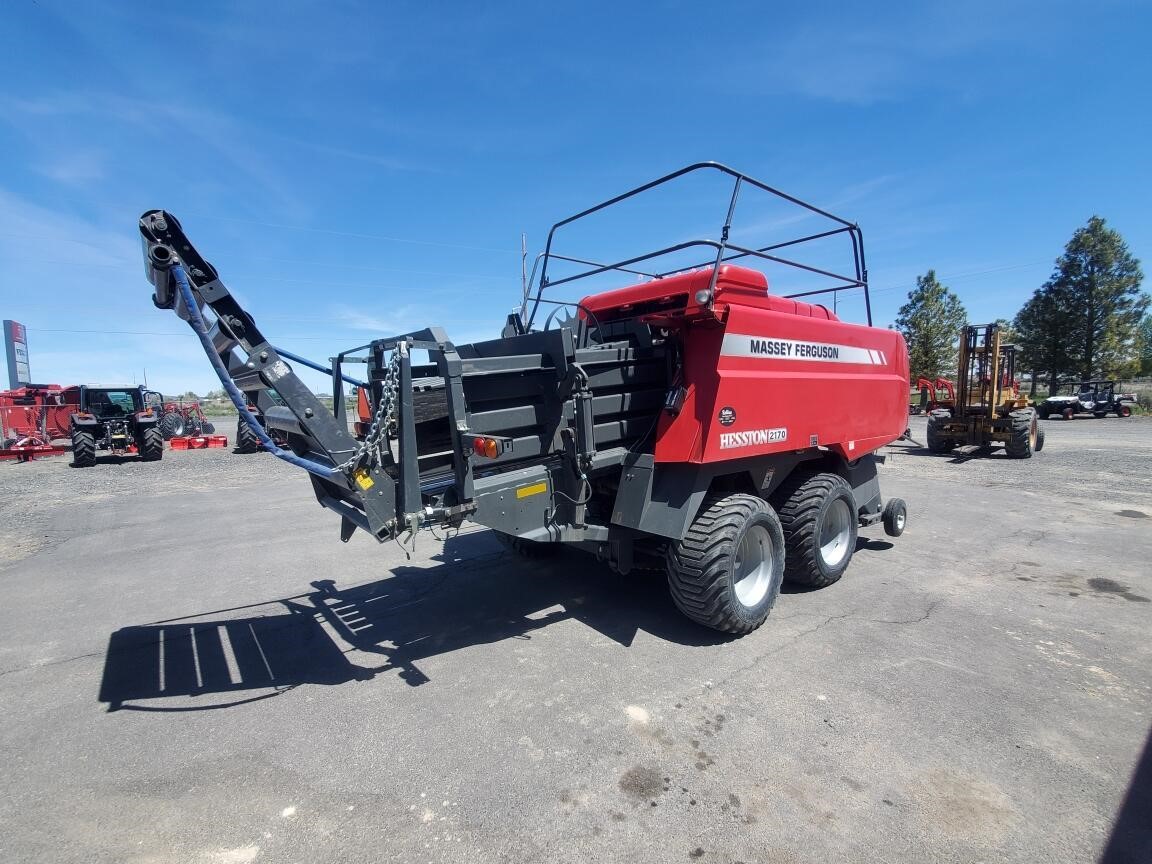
{"x": 729, "y": 440}
{"x": 740, "y": 345}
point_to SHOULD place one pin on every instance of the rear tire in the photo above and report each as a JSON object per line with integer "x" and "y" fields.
{"x": 1068, "y": 413}
{"x": 527, "y": 548}
{"x": 246, "y": 440}
{"x": 818, "y": 516}
{"x": 1025, "y": 431}
{"x": 935, "y": 439}
{"x": 726, "y": 572}
{"x": 171, "y": 425}
{"x": 151, "y": 445}
{"x": 83, "y": 449}
{"x": 1123, "y": 410}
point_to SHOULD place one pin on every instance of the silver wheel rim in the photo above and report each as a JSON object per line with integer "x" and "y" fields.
{"x": 835, "y": 533}
{"x": 752, "y": 569}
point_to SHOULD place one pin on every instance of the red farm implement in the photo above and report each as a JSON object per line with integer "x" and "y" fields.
{"x": 33, "y": 421}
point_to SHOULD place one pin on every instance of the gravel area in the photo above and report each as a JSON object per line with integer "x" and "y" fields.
{"x": 194, "y": 668}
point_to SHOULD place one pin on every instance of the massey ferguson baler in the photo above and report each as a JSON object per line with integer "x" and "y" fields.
{"x": 692, "y": 421}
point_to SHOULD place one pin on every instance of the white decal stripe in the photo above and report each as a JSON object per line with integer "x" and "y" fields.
{"x": 771, "y": 348}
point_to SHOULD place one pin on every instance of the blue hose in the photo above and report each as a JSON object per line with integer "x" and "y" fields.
{"x": 196, "y": 321}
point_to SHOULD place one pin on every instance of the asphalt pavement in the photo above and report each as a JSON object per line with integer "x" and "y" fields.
{"x": 193, "y": 668}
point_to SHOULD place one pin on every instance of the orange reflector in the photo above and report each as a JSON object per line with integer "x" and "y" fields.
{"x": 491, "y": 448}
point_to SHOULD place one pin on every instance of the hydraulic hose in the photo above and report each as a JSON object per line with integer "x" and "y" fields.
{"x": 196, "y": 322}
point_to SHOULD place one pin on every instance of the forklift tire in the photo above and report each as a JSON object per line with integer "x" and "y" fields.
{"x": 1039, "y": 440}
{"x": 83, "y": 449}
{"x": 527, "y": 548}
{"x": 726, "y": 572}
{"x": 1025, "y": 432}
{"x": 246, "y": 440}
{"x": 818, "y": 515}
{"x": 1123, "y": 410}
{"x": 895, "y": 517}
{"x": 172, "y": 425}
{"x": 151, "y": 445}
{"x": 937, "y": 443}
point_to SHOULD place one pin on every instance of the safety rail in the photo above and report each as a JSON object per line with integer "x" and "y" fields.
{"x": 725, "y": 250}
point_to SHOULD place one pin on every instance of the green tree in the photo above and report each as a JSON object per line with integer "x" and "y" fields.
{"x": 1042, "y": 327}
{"x": 1098, "y": 279}
{"x": 1146, "y": 346}
{"x": 931, "y": 321}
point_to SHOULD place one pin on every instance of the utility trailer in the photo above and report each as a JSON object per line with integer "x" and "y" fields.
{"x": 692, "y": 421}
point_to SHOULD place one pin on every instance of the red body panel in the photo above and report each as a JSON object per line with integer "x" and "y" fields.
{"x": 765, "y": 374}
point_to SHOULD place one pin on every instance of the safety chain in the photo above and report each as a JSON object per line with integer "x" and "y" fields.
{"x": 383, "y": 425}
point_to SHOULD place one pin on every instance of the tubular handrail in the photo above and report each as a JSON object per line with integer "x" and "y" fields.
{"x": 859, "y": 280}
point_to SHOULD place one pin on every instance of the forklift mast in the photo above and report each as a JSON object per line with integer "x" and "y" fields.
{"x": 987, "y": 366}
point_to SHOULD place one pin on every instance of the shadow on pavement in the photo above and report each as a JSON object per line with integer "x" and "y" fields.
{"x": 1131, "y": 839}
{"x": 473, "y": 596}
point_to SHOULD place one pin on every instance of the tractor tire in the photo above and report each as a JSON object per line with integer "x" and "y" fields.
{"x": 818, "y": 515}
{"x": 527, "y": 548}
{"x": 207, "y": 428}
{"x": 726, "y": 572}
{"x": 83, "y": 449}
{"x": 1068, "y": 413}
{"x": 1123, "y": 410}
{"x": 171, "y": 425}
{"x": 151, "y": 445}
{"x": 246, "y": 440}
{"x": 937, "y": 443}
{"x": 1039, "y": 440}
{"x": 895, "y": 517}
{"x": 1025, "y": 432}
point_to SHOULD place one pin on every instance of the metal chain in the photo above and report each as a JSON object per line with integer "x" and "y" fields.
{"x": 383, "y": 421}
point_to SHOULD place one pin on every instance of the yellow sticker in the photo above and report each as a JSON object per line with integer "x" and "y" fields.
{"x": 363, "y": 480}
{"x": 534, "y": 489}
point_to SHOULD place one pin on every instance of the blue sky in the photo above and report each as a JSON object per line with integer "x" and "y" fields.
{"x": 358, "y": 169}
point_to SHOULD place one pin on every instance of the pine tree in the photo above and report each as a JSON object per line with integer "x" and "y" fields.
{"x": 931, "y": 322}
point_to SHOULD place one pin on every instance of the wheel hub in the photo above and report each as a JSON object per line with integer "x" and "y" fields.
{"x": 752, "y": 569}
{"x": 835, "y": 533}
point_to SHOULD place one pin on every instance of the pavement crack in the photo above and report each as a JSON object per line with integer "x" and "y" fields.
{"x": 4, "y": 672}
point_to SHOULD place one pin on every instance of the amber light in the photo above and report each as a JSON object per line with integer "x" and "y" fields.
{"x": 487, "y": 447}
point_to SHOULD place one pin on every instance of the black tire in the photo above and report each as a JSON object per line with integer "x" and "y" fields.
{"x": 1123, "y": 410}
{"x": 1068, "y": 413}
{"x": 895, "y": 517}
{"x": 151, "y": 445}
{"x": 207, "y": 428}
{"x": 83, "y": 449}
{"x": 935, "y": 440}
{"x": 1099, "y": 415}
{"x": 1039, "y": 440}
{"x": 704, "y": 569}
{"x": 818, "y": 515}
{"x": 1042, "y": 413}
{"x": 246, "y": 440}
{"x": 172, "y": 425}
{"x": 527, "y": 548}
{"x": 1025, "y": 432}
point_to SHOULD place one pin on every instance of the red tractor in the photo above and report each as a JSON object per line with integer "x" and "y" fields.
{"x": 694, "y": 421}
{"x": 33, "y": 421}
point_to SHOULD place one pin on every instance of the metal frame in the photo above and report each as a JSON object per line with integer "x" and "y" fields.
{"x": 725, "y": 250}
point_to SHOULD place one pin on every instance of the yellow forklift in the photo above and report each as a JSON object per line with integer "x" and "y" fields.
{"x": 988, "y": 410}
